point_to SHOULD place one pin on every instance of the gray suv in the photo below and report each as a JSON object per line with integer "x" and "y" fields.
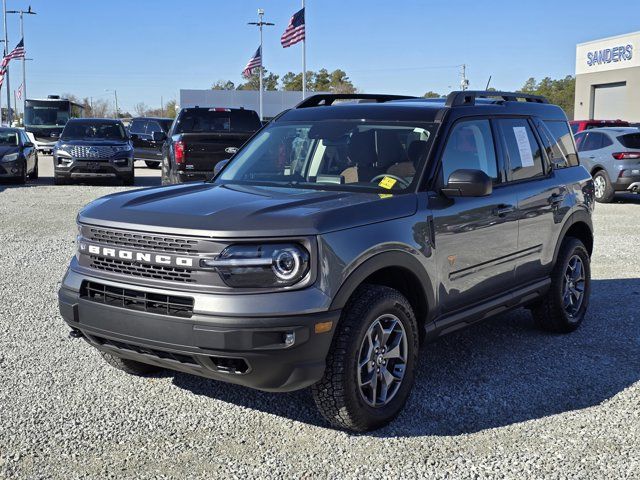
{"x": 612, "y": 155}
{"x": 345, "y": 234}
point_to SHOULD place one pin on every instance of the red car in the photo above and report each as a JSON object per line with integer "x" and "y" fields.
{"x": 580, "y": 125}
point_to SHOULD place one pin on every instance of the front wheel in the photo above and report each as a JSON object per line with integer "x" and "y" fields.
{"x": 152, "y": 164}
{"x": 34, "y": 174}
{"x": 129, "y": 180}
{"x": 371, "y": 364}
{"x": 129, "y": 366}
{"x": 564, "y": 307}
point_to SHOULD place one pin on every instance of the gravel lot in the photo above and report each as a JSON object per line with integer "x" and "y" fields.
{"x": 498, "y": 400}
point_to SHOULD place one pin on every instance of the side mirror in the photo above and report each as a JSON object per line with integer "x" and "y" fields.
{"x": 134, "y": 136}
{"x": 468, "y": 183}
{"x": 27, "y": 144}
{"x": 158, "y": 136}
{"x": 219, "y": 166}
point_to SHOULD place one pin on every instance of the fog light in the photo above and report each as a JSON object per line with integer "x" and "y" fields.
{"x": 289, "y": 338}
{"x": 14, "y": 170}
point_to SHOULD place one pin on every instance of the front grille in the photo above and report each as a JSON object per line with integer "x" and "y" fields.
{"x": 143, "y": 270}
{"x": 177, "y": 357}
{"x": 93, "y": 153}
{"x": 130, "y": 299}
{"x": 142, "y": 241}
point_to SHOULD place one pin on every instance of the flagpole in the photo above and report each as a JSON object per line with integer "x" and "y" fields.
{"x": 6, "y": 42}
{"x": 304, "y": 56}
{"x": 261, "y": 14}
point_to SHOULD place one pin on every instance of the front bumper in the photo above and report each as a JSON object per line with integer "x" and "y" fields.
{"x": 248, "y": 350}
{"x": 72, "y": 168}
{"x": 11, "y": 169}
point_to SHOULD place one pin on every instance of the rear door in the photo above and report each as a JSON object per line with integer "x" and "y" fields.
{"x": 476, "y": 237}
{"x": 153, "y": 150}
{"x": 540, "y": 197}
{"x": 137, "y": 131}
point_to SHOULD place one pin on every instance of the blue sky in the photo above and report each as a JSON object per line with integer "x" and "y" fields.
{"x": 146, "y": 49}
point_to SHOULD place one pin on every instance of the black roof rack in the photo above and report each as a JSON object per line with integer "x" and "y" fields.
{"x": 326, "y": 99}
{"x": 468, "y": 97}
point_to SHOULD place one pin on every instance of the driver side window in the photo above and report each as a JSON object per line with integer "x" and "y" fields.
{"x": 470, "y": 146}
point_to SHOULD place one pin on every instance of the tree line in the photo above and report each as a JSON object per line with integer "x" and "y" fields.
{"x": 323, "y": 80}
{"x": 558, "y": 91}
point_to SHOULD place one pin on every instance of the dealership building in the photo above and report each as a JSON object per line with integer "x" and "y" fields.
{"x": 608, "y": 79}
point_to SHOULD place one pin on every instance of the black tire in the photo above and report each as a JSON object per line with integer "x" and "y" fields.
{"x": 338, "y": 395}
{"x": 129, "y": 366}
{"x": 606, "y": 193}
{"x": 34, "y": 174}
{"x": 57, "y": 180}
{"x": 22, "y": 179}
{"x": 152, "y": 164}
{"x": 129, "y": 180}
{"x": 549, "y": 312}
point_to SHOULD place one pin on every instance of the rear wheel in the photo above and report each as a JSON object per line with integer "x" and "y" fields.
{"x": 152, "y": 164}
{"x": 564, "y": 307}
{"x": 129, "y": 366}
{"x": 603, "y": 188}
{"x": 371, "y": 363}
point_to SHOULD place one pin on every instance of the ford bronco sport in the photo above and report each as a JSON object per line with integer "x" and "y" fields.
{"x": 335, "y": 242}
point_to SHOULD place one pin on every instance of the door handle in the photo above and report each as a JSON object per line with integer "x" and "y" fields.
{"x": 502, "y": 210}
{"x": 556, "y": 198}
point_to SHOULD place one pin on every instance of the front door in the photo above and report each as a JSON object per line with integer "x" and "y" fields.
{"x": 476, "y": 238}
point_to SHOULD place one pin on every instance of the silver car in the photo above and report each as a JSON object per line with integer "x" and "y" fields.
{"x": 612, "y": 155}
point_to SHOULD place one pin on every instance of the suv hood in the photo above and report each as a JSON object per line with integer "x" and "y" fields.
{"x": 227, "y": 211}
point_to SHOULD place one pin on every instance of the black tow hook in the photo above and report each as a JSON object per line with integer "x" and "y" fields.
{"x": 73, "y": 333}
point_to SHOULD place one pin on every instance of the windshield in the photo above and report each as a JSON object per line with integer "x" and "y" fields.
{"x": 8, "y": 137}
{"x": 339, "y": 154}
{"x": 46, "y": 115}
{"x": 204, "y": 120}
{"x": 88, "y": 130}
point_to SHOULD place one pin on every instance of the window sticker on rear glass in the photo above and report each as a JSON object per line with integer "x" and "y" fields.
{"x": 524, "y": 147}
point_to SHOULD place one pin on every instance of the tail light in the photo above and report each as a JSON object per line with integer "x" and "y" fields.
{"x": 178, "y": 152}
{"x": 626, "y": 155}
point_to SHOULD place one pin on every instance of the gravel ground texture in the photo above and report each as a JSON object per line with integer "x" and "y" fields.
{"x": 497, "y": 400}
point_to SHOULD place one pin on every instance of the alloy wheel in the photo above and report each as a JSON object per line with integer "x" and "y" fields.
{"x": 600, "y": 185}
{"x": 573, "y": 286}
{"x": 382, "y": 360}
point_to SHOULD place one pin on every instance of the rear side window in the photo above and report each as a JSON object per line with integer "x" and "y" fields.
{"x": 593, "y": 141}
{"x": 524, "y": 154}
{"x": 470, "y": 146}
{"x": 562, "y": 145}
{"x": 630, "y": 140}
{"x": 137, "y": 127}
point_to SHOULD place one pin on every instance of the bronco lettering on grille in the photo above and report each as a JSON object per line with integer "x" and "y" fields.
{"x": 161, "y": 259}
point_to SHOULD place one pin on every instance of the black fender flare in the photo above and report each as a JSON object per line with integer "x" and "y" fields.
{"x": 580, "y": 216}
{"x": 378, "y": 262}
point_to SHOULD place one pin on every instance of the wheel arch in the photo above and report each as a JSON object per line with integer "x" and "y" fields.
{"x": 580, "y": 226}
{"x": 397, "y": 270}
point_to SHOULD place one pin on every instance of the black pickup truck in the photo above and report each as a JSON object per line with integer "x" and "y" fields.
{"x": 202, "y": 137}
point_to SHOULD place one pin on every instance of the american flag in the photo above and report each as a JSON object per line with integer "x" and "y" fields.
{"x": 254, "y": 62}
{"x": 17, "y": 52}
{"x": 295, "y": 30}
{"x": 19, "y": 92}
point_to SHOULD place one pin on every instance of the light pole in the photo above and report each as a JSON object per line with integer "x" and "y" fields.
{"x": 260, "y": 23}
{"x": 115, "y": 96}
{"x": 24, "y": 68}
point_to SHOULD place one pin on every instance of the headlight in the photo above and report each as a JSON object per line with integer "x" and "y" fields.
{"x": 10, "y": 157}
{"x": 261, "y": 266}
{"x": 123, "y": 148}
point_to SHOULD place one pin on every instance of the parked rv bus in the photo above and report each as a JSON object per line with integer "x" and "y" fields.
{"x": 45, "y": 119}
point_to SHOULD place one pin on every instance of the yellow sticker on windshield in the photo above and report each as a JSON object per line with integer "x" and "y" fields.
{"x": 387, "y": 182}
{"x": 385, "y": 195}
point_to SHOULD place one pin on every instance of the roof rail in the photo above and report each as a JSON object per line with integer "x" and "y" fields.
{"x": 468, "y": 97}
{"x": 326, "y": 99}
